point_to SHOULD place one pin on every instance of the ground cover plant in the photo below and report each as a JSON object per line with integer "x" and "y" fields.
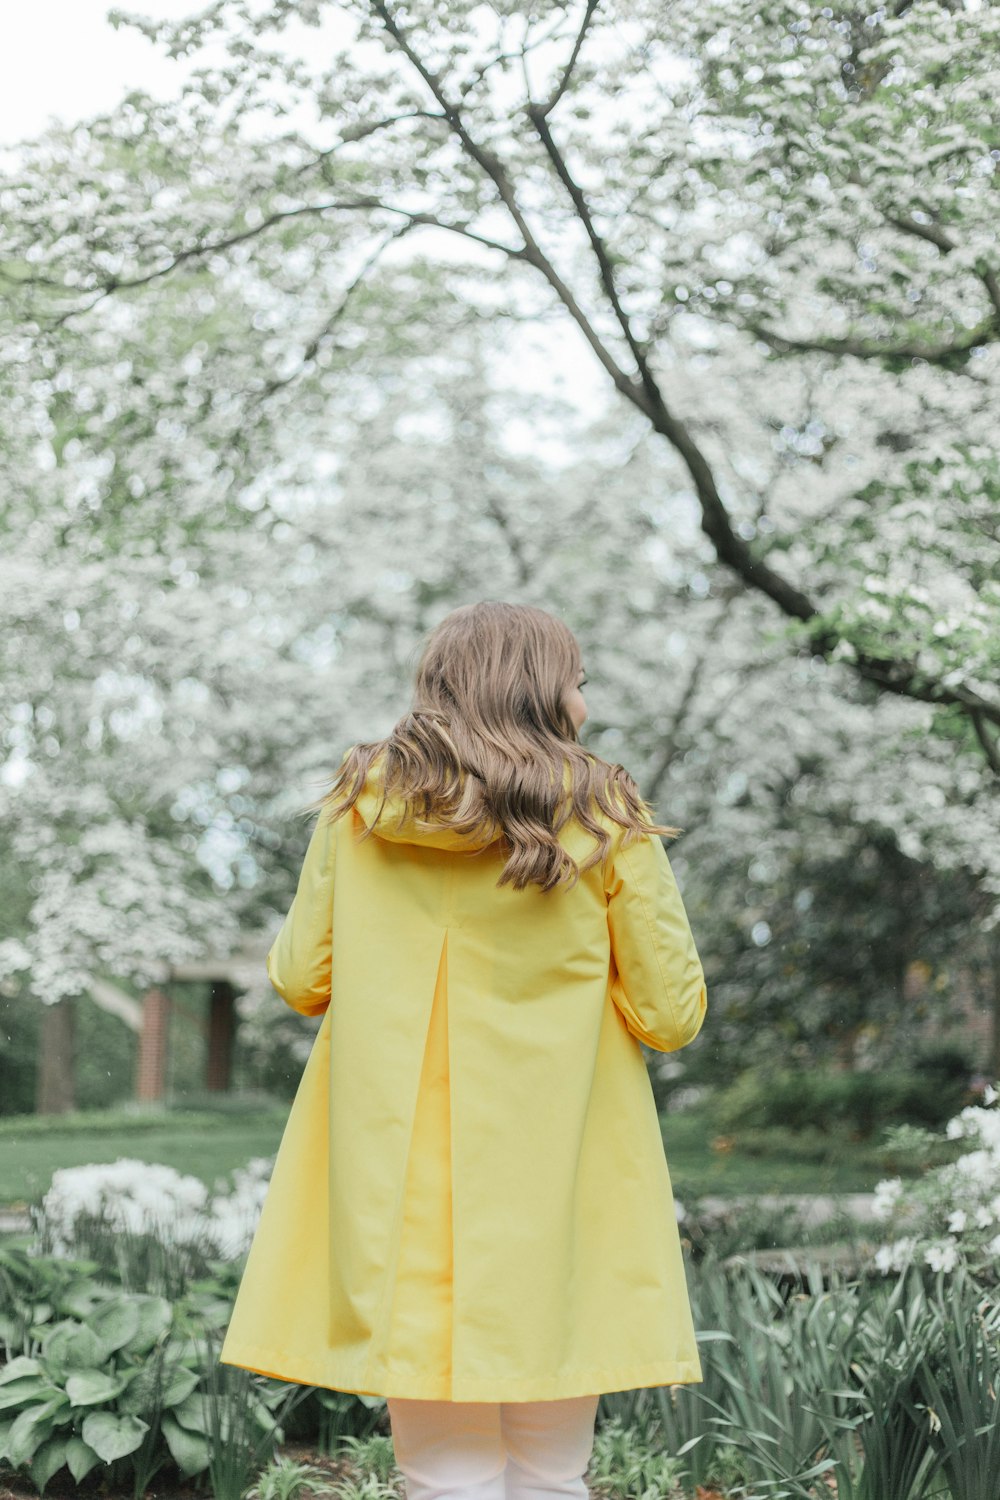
{"x": 112, "y": 1315}
{"x": 888, "y": 1383}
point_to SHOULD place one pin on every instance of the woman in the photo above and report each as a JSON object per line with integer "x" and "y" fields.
{"x": 470, "y": 1211}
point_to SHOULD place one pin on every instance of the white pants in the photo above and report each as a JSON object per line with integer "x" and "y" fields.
{"x": 488, "y": 1450}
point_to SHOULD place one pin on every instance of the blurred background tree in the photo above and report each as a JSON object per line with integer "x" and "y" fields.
{"x": 291, "y": 366}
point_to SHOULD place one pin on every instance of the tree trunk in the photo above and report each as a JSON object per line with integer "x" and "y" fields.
{"x": 221, "y": 1030}
{"x": 54, "y": 1081}
{"x": 151, "y": 1057}
{"x": 995, "y": 1049}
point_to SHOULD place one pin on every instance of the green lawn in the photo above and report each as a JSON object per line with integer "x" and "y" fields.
{"x": 206, "y": 1147}
{"x": 210, "y": 1145}
{"x": 697, "y": 1170}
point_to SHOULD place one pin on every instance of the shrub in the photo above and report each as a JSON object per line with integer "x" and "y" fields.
{"x": 951, "y": 1215}
{"x": 820, "y": 1100}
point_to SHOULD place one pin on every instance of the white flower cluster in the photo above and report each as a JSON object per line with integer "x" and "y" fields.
{"x": 953, "y": 1212}
{"x": 147, "y": 1197}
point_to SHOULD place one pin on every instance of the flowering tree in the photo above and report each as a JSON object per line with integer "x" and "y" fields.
{"x": 276, "y": 402}
{"x": 694, "y": 188}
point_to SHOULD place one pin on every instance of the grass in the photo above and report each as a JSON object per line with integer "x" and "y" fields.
{"x": 696, "y": 1169}
{"x": 206, "y": 1146}
{"x": 211, "y": 1145}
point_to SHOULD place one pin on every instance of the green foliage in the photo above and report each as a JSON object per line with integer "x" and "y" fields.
{"x": 803, "y": 996}
{"x": 842, "y": 1375}
{"x": 817, "y": 1099}
{"x": 961, "y": 1394}
{"x": 284, "y": 1479}
{"x": 234, "y": 1431}
{"x": 885, "y": 1387}
{"x": 97, "y": 1374}
{"x": 748, "y": 1225}
{"x": 137, "y": 1120}
{"x": 824, "y": 1148}
{"x": 368, "y": 1487}
{"x": 891, "y": 1386}
{"x": 139, "y": 1259}
{"x": 80, "y": 1392}
{"x": 372, "y": 1454}
{"x": 626, "y": 1465}
{"x": 98, "y": 1366}
{"x": 347, "y": 1418}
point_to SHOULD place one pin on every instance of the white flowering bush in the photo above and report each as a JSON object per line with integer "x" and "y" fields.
{"x": 150, "y": 1198}
{"x": 951, "y": 1215}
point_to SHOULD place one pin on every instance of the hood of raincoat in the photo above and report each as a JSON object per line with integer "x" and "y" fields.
{"x": 400, "y": 826}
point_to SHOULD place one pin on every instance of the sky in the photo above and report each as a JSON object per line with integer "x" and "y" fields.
{"x": 61, "y": 58}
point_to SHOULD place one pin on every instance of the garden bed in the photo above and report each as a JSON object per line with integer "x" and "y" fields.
{"x": 336, "y": 1471}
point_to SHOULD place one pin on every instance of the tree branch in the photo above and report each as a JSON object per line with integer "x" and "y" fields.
{"x": 497, "y": 173}
{"x": 932, "y": 233}
{"x": 989, "y": 746}
{"x": 567, "y": 73}
{"x": 312, "y": 347}
{"x": 213, "y": 247}
{"x": 986, "y": 332}
{"x": 661, "y": 766}
{"x": 537, "y": 114}
{"x": 888, "y": 673}
{"x": 935, "y": 235}
{"x": 641, "y": 388}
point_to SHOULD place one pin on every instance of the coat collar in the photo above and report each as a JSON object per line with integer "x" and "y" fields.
{"x": 395, "y": 824}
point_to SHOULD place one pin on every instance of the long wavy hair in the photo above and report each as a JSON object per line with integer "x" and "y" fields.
{"x": 486, "y": 744}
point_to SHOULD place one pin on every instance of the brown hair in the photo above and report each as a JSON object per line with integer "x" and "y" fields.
{"x": 487, "y": 740}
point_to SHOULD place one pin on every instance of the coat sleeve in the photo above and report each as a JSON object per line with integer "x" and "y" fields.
{"x": 660, "y": 985}
{"x": 300, "y": 961}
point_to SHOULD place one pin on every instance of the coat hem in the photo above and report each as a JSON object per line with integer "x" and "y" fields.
{"x": 407, "y": 1384}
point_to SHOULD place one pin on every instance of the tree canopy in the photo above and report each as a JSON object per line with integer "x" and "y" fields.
{"x": 285, "y": 376}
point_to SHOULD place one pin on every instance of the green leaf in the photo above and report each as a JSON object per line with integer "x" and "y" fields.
{"x": 142, "y": 1391}
{"x": 180, "y": 1384}
{"x": 93, "y": 1387}
{"x": 29, "y": 1431}
{"x": 190, "y": 1451}
{"x": 49, "y": 1459}
{"x": 19, "y": 1367}
{"x": 81, "y": 1299}
{"x": 73, "y": 1346}
{"x": 115, "y": 1322}
{"x": 154, "y": 1317}
{"x": 80, "y": 1457}
{"x": 112, "y": 1436}
{"x": 191, "y": 1413}
{"x": 29, "y": 1391}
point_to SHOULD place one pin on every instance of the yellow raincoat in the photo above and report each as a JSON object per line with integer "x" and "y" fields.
{"x": 471, "y": 1201}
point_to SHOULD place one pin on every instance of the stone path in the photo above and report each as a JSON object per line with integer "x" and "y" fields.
{"x": 811, "y": 1208}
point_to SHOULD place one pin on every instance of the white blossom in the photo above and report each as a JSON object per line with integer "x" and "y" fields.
{"x": 887, "y": 1195}
{"x": 895, "y": 1256}
{"x": 942, "y": 1256}
{"x": 145, "y": 1197}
